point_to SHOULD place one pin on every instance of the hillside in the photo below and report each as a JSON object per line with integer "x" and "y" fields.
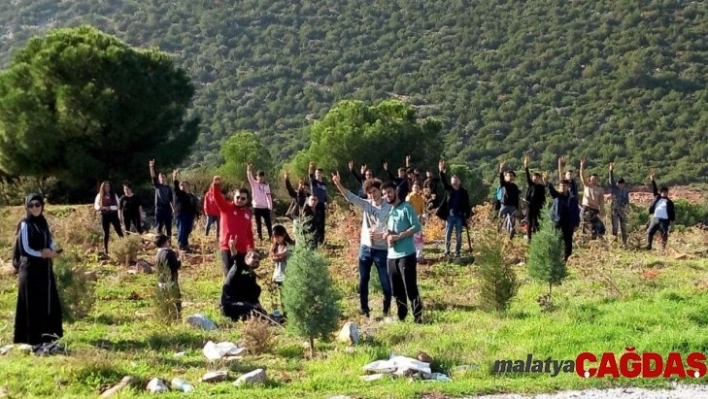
{"x": 607, "y": 79}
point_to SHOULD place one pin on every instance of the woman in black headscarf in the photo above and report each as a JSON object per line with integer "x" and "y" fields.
{"x": 38, "y": 318}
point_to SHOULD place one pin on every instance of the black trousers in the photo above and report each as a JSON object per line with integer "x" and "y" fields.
{"x": 404, "y": 281}
{"x": 661, "y": 226}
{"x": 163, "y": 220}
{"x": 533, "y": 218}
{"x": 131, "y": 221}
{"x": 263, "y": 215}
{"x": 567, "y": 235}
{"x": 228, "y": 261}
{"x": 108, "y": 219}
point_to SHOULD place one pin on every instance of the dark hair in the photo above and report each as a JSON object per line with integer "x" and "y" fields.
{"x": 594, "y": 175}
{"x": 260, "y": 173}
{"x": 320, "y": 170}
{"x": 565, "y": 181}
{"x": 243, "y": 190}
{"x": 401, "y": 169}
{"x": 537, "y": 174}
{"x": 511, "y": 172}
{"x": 409, "y": 171}
{"x": 161, "y": 240}
{"x": 387, "y": 185}
{"x": 664, "y": 190}
{"x": 620, "y": 181}
{"x": 371, "y": 183}
{"x": 128, "y": 184}
{"x": 279, "y": 230}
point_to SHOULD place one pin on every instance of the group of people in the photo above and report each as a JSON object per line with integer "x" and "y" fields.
{"x": 394, "y": 209}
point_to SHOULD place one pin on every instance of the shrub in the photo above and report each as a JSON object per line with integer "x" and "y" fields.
{"x": 545, "y": 261}
{"x": 496, "y": 279}
{"x": 309, "y": 296}
{"x": 126, "y": 249}
{"x": 257, "y": 335}
{"x": 76, "y": 290}
{"x": 689, "y": 213}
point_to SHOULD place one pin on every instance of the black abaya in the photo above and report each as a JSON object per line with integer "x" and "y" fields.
{"x": 38, "y": 318}
{"x": 240, "y": 294}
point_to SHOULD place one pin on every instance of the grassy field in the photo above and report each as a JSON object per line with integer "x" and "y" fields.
{"x": 654, "y": 301}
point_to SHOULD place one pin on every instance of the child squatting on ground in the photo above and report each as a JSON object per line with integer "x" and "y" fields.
{"x": 167, "y": 263}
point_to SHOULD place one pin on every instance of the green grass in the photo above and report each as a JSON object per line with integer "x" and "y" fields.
{"x": 609, "y": 301}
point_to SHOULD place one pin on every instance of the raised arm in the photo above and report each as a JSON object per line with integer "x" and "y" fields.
{"x": 408, "y": 161}
{"x": 551, "y": 190}
{"x": 582, "y": 173}
{"x": 153, "y": 175}
{"x": 612, "y": 175}
{"x": 249, "y": 175}
{"x": 501, "y": 174}
{"x": 311, "y": 174}
{"x": 560, "y": 168}
{"x": 289, "y": 186}
{"x": 654, "y": 188}
{"x": 215, "y": 191}
{"x": 526, "y": 170}
{"x": 351, "y": 197}
{"x": 175, "y": 181}
{"x": 443, "y": 178}
{"x": 388, "y": 172}
{"x": 354, "y": 173}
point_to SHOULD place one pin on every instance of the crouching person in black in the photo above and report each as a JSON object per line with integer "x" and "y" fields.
{"x": 240, "y": 293}
{"x": 167, "y": 263}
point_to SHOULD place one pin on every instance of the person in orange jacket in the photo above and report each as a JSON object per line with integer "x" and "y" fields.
{"x": 235, "y": 220}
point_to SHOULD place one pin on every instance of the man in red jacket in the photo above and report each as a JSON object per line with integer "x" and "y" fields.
{"x": 235, "y": 224}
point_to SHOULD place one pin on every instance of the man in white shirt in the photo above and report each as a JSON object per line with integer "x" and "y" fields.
{"x": 373, "y": 249}
{"x": 663, "y": 214}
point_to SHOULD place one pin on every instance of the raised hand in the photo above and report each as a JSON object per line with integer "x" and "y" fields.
{"x": 544, "y": 176}
{"x": 363, "y": 169}
{"x": 385, "y": 165}
{"x": 526, "y": 162}
{"x": 351, "y": 165}
{"x": 561, "y": 161}
{"x": 408, "y": 159}
{"x": 287, "y": 174}
{"x": 441, "y": 165}
{"x": 151, "y": 163}
{"x": 502, "y": 165}
{"x": 174, "y": 174}
{"x": 249, "y": 166}
{"x": 335, "y": 178}
{"x": 652, "y": 175}
{"x": 612, "y": 166}
{"x": 582, "y": 163}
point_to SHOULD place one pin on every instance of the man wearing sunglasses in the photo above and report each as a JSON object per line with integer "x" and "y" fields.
{"x": 235, "y": 223}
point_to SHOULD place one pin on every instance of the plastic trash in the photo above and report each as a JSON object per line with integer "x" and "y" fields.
{"x": 201, "y": 321}
{"x": 181, "y": 385}
{"x": 214, "y": 351}
{"x": 156, "y": 385}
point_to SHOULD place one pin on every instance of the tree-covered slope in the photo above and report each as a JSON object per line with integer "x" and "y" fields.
{"x": 621, "y": 79}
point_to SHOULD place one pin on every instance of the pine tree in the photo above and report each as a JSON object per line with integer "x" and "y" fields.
{"x": 545, "y": 262}
{"x": 496, "y": 279}
{"x": 309, "y": 296}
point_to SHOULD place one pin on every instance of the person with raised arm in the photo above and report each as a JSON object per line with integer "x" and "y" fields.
{"x": 620, "y": 205}
{"x": 509, "y": 200}
{"x": 363, "y": 175}
{"x": 373, "y": 248}
{"x": 164, "y": 209}
{"x": 262, "y": 201}
{"x": 455, "y": 210}
{"x": 235, "y": 225}
{"x": 318, "y": 188}
{"x": 563, "y": 212}
{"x": 663, "y": 214}
{"x": 186, "y": 210}
{"x": 298, "y": 196}
{"x": 593, "y": 204}
{"x": 535, "y": 198}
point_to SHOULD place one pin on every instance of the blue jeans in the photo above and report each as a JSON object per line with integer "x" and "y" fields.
{"x": 367, "y": 257}
{"x": 212, "y": 220}
{"x": 185, "y": 223}
{"x": 453, "y": 222}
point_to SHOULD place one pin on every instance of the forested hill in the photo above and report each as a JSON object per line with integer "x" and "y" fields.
{"x": 620, "y": 79}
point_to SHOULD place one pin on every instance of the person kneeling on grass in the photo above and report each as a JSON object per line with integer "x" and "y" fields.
{"x": 241, "y": 292}
{"x": 167, "y": 264}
